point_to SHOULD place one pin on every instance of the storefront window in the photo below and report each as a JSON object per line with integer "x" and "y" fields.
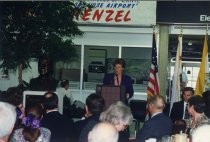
{"x": 95, "y": 64}
{"x": 71, "y": 70}
{"x": 138, "y": 62}
{"x": 98, "y": 60}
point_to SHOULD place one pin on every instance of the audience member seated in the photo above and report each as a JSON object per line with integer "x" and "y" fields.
{"x": 121, "y": 117}
{"x": 60, "y": 126}
{"x": 94, "y": 106}
{"x": 179, "y": 109}
{"x": 15, "y": 97}
{"x": 7, "y": 120}
{"x": 201, "y": 134}
{"x": 103, "y": 132}
{"x": 32, "y": 132}
{"x": 45, "y": 81}
{"x": 159, "y": 124}
{"x": 206, "y": 97}
{"x": 179, "y": 126}
{"x": 196, "y": 108}
{"x": 65, "y": 96}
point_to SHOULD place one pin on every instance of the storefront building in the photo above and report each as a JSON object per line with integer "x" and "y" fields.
{"x": 123, "y": 29}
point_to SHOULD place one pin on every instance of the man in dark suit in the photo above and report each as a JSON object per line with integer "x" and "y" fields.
{"x": 159, "y": 124}
{"x": 179, "y": 108}
{"x": 118, "y": 78}
{"x": 94, "y": 106}
{"x": 60, "y": 126}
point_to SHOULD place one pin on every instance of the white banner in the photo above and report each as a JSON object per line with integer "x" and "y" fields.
{"x": 119, "y": 12}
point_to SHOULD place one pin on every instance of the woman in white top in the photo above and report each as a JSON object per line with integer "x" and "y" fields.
{"x": 64, "y": 95}
{"x": 31, "y": 132}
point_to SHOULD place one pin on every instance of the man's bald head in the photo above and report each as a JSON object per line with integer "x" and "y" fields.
{"x": 156, "y": 103}
{"x": 103, "y": 132}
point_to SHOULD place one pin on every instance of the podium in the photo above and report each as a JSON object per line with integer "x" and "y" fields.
{"x": 111, "y": 94}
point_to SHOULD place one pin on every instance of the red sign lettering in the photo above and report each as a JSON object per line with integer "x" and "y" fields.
{"x": 97, "y": 15}
{"x": 107, "y": 15}
{"x": 86, "y": 14}
{"x": 118, "y": 17}
{"x": 126, "y": 18}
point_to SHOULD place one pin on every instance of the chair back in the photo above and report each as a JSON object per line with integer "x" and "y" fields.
{"x": 138, "y": 108}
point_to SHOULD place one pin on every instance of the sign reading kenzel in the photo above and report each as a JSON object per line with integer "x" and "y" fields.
{"x": 111, "y": 15}
{"x": 120, "y": 12}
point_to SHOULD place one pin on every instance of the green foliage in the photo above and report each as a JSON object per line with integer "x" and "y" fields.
{"x": 31, "y": 28}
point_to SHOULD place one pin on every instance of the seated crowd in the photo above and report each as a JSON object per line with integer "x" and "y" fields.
{"x": 42, "y": 122}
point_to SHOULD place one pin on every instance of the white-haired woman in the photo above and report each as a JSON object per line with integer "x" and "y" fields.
{"x": 120, "y": 116}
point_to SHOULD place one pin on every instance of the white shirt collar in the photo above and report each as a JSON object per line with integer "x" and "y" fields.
{"x": 52, "y": 110}
{"x": 155, "y": 114}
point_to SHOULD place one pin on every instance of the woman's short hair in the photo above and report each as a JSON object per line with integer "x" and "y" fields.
{"x": 64, "y": 83}
{"x": 119, "y": 61}
{"x": 7, "y": 118}
{"x": 206, "y": 98}
{"x": 198, "y": 103}
{"x": 117, "y": 113}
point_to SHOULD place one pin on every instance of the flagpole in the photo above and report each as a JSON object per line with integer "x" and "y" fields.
{"x": 153, "y": 28}
{"x": 180, "y": 62}
{"x": 181, "y": 31}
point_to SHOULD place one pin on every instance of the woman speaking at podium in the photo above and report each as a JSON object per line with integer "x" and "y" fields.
{"x": 118, "y": 78}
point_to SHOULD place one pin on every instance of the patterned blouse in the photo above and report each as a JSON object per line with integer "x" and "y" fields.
{"x": 191, "y": 125}
{"x": 44, "y": 137}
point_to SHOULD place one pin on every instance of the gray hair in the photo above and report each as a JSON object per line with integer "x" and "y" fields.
{"x": 7, "y": 119}
{"x": 117, "y": 113}
{"x": 103, "y": 132}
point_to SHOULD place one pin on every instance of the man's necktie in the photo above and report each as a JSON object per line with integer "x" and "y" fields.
{"x": 186, "y": 114}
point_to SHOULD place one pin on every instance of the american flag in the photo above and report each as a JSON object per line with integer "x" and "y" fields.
{"x": 153, "y": 83}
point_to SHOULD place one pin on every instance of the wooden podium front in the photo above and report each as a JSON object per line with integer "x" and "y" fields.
{"x": 112, "y": 94}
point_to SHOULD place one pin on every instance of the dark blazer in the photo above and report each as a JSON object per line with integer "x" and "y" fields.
{"x": 126, "y": 81}
{"x": 177, "y": 111}
{"x": 156, "y": 127}
{"x": 60, "y": 126}
{"x": 81, "y": 124}
{"x": 88, "y": 124}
